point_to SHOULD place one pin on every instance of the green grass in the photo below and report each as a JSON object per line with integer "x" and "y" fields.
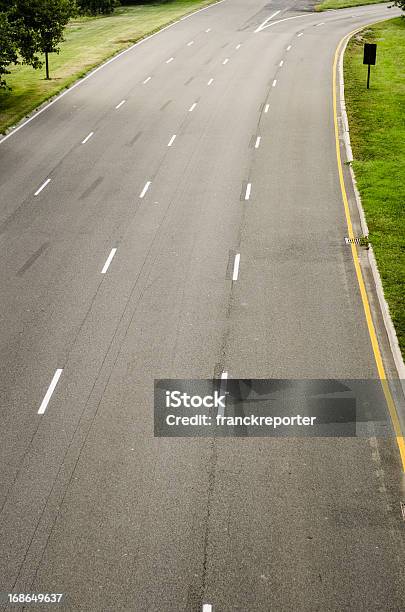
{"x": 89, "y": 41}
{"x": 377, "y": 131}
{"x": 337, "y": 4}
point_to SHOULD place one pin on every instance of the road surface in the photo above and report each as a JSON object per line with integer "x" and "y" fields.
{"x": 178, "y": 215}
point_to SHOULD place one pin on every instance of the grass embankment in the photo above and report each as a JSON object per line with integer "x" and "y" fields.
{"x": 89, "y": 41}
{"x": 377, "y": 131}
{"x": 337, "y": 4}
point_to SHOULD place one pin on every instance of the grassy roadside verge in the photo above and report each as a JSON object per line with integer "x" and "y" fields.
{"x": 89, "y": 41}
{"x": 337, "y": 4}
{"x": 377, "y": 131}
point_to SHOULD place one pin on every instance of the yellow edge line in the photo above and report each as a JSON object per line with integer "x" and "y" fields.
{"x": 371, "y": 329}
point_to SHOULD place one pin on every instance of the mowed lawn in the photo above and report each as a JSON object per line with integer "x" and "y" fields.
{"x": 377, "y": 130}
{"x": 337, "y": 4}
{"x": 89, "y": 41}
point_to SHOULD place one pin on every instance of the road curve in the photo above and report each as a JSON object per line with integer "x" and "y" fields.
{"x": 177, "y": 215}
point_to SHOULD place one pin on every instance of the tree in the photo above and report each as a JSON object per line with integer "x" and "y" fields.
{"x": 44, "y": 23}
{"x": 400, "y": 3}
{"x": 95, "y": 7}
{"x": 8, "y": 48}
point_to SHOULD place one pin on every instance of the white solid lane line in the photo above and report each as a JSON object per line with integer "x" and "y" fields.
{"x": 258, "y": 139}
{"x": 300, "y": 34}
{"x": 145, "y": 189}
{"x": 190, "y": 43}
{"x": 147, "y": 80}
{"x": 109, "y": 260}
{"x": 274, "y": 82}
{"x": 50, "y": 391}
{"x": 171, "y": 141}
{"x": 263, "y": 25}
{"x": 281, "y": 63}
{"x": 87, "y": 137}
{"x": 42, "y": 186}
{"x": 238, "y": 46}
{"x": 289, "y": 47}
{"x": 273, "y": 23}
{"x": 120, "y": 104}
{"x": 192, "y": 107}
{"x": 248, "y": 191}
{"x": 226, "y": 60}
{"x": 236, "y": 267}
{"x": 210, "y": 82}
{"x": 169, "y": 60}
{"x": 266, "y": 108}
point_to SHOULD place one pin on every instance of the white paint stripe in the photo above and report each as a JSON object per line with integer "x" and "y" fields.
{"x": 87, "y": 137}
{"x": 266, "y": 108}
{"x": 289, "y": 47}
{"x": 281, "y": 63}
{"x": 300, "y": 34}
{"x": 120, "y": 104}
{"x": 192, "y": 107}
{"x": 169, "y": 60}
{"x": 103, "y": 65}
{"x": 208, "y": 30}
{"x": 145, "y": 189}
{"x": 319, "y": 24}
{"x": 190, "y": 43}
{"x": 171, "y": 141}
{"x": 222, "y": 391}
{"x": 248, "y": 191}
{"x": 147, "y": 80}
{"x": 109, "y": 260}
{"x": 258, "y": 139}
{"x": 42, "y": 186}
{"x": 210, "y": 82}
{"x": 273, "y": 23}
{"x": 200, "y": 10}
{"x": 263, "y": 25}
{"x": 274, "y": 82}
{"x": 50, "y": 391}
{"x": 207, "y": 608}
{"x": 238, "y": 46}
{"x": 226, "y": 60}
{"x": 236, "y": 267}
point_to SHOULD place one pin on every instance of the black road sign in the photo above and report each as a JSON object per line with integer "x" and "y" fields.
{"x": 370, "y": 52}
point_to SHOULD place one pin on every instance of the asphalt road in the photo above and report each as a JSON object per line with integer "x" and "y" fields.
{"x": 92, "y": 505}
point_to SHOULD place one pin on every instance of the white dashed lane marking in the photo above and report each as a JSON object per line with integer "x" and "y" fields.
{"x": 38, "y": 191}
{"x": 50, "y": 391}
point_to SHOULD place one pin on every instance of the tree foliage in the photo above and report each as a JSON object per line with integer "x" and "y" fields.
{"x": 95, "y": 7}
{"x": 8, "y": 47}
{"x": 400, "y": 3}
{"x": 29, "y": 28}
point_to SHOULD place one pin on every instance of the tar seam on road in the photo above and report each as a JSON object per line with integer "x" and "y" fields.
{"x": 366, "y": 305}
{"x": 50, "y": 391}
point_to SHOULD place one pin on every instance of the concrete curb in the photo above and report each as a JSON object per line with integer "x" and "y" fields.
{"x": 389, "y": 326}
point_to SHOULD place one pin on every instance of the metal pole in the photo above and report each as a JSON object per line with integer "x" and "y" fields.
{"x": 368, "y": 77}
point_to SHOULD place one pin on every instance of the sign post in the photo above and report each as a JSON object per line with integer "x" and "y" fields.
{"x": 369, "y": 57}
